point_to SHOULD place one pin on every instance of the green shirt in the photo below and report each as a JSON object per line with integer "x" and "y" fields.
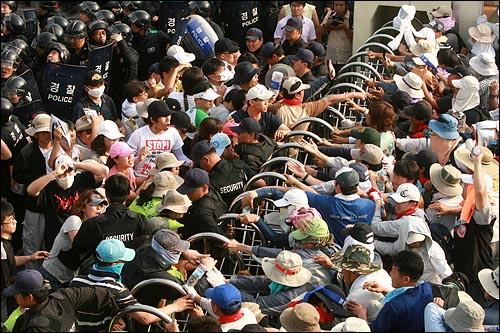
{"x": 199, "y": 116}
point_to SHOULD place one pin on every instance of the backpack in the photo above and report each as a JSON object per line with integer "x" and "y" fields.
{"x": 441, "y": 235}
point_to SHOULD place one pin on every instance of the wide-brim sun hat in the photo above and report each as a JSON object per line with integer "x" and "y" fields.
{"x": 482, "y": 33}
{"x": 286, "y": 269}
{"x": 411, "y": 83}
{"x": 489, "y": 164}
{"x": 446, "y": 179}
{"x": 484, "y": 64}
{"x": 445, "y": 126}
{"x": 489, "y": 280}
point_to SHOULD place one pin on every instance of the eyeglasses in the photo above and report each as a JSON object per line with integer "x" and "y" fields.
{"x": 10, "y": 220}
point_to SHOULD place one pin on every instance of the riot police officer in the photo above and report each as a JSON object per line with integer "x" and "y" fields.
{"x": 150, "y": 44}
{"x": 87, "y": 8}
{"x": 125, "y": 61}
{"x": 98, "y": 31}
{"x": 46, "y": 9}
{"x": 13, "y": 27}
{"x": 76, "y": 40}
{"x": 204, "y": 9}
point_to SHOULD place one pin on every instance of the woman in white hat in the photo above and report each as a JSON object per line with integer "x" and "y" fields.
{"x": 285, "y": 279}
{"x": 485, "y": 69}
{"x": 481, "y": 39}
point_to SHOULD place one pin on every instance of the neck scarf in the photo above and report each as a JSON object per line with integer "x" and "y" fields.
{"x": 116, "y": 269}
{"x": 276, "y": 287}
{"x": 465, "y": 100}
{"x": 291, "y": 102}
{"x": 407, "y": 212}
{"x": 444, "y": 146}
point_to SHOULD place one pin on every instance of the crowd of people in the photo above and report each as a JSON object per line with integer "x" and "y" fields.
{"x": 388, "y": 223}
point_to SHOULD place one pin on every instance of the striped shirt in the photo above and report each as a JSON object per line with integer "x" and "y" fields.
{"x": 93, "y": 320}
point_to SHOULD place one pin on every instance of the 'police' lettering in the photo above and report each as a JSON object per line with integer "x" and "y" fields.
{"x": 61, "y": 99}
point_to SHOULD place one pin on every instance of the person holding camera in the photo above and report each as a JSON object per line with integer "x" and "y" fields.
{"x": 337, "y": 24}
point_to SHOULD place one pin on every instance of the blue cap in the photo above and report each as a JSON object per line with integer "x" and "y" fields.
{"x": 317, "y": 49}
{"x": 200, "y": 149}
{"x": 193, "y": 179}
{"x": 303, "y": 54}
{"x": 113, "y": 250}
{"x": 226, "y": 296}
{"x": 27, "y": 281}
{"x": 445, "y": 126}
{"x": 220, "y": 141}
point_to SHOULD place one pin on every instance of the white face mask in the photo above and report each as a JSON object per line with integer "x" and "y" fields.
{"x": 97, "y": 93}
{"x": 66, "y": 182}
{"x": 225, "y": 75}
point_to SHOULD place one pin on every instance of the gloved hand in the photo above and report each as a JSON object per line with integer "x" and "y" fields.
{"x": 347, "y": 123}
{"x": 191, "y": 291}
{"x": 374, "y": 194}
{"x": 215, "y": 277}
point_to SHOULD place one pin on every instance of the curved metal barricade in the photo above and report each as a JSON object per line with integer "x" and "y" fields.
{"x": 131, "y": 325}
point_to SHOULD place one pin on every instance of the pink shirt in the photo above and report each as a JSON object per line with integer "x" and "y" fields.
{"x": 131, "y": 176}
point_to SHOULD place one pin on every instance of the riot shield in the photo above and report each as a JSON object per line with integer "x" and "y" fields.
{"x": 100, "y": 61}
{"x": 196, "y": 35}
{"x": 61, "y": 88}
{"x": 170, "y": 14}
{"x": 33, "y": 94}
{"x": 26, "y": 112}
{"x": 31, "y": 24}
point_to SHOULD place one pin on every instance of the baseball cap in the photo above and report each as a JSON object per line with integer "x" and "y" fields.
{"x": 318, "y": 229}
{"x": 26, "y": 281}
{"x": 208, "y": 95}
{"x": 460, "y": 70}
{"x": 436, "y": 26}
{"x": 424, "y": 158}
{"x": 398, "y": 99}
{"x": 220, "y": 141}
{"x": 158, "y": 109}
{"x": 109, "y": 129}
{"x": 226, "y": 45}
{"x": 153, "y": 69}
{"x": 268, "y": 49}
{"x": 113, "y": 250}
{"x": 347, "y": 178}
{"x": 170, "y": 240}
{"x": 367, "y": 135}
{"x": 92, "y": 78}
{"x": 303, "y": 54}
{"x": 294, "y": 197}
{"x": 95, "y": 200}
{"x": 333, "y": 297}
{"x": 293, "y": 85}
{"x": 247, "y": 125}
{"x": 178, "y": 53}
{"x": 317, "y": 49}
{"x": 259, "y": 92}
{"x": 142, "y": 107}
{"x": 180, "y": 119}
{"x": 254, "y": 33}
{"x": 414, "y": 237}
{"x": 293, "y": 23}
{"x": 121, "y": 149}
{"x": 227, "y": 128}
{"x": 226, "y": 296}
{"x": 64, "y": 159}
{"x": 422, "y": 110}
{"x": 442, "y": 11}
{"x": 369, "y": 153}
{"x": 406, "y": 192}
{"x": 172, "y": 104}
{"x": 200, "y": 149}
{"x": 193, "y": 179}
{"x": 360, "y": 231}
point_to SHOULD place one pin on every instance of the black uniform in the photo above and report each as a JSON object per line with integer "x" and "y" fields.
{"x": 118, "y": 222}
{"x": 170, "y": 15}
{"x": 107, "y": 108}
{"x": 229, "y": 178}
{"x": 82, "y": 58}
{"x": 58, "y": 312}
{"x": 152, "y": 47}
{"x": 255, "y": 154}
{"x": 125, "y": 62}
{"x": 292, "y": 49}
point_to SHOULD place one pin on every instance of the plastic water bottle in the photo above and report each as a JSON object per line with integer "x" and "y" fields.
{"x": 196, "y": 275}
{"x": 275, "y": 85}
{"x": 246, "y": 210}
{"x": 380, "y": 182}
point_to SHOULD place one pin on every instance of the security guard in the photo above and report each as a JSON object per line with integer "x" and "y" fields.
{"x": 118, "y": 222}
{"x": 150, "y": 44}
{"x": 55, "y": 312}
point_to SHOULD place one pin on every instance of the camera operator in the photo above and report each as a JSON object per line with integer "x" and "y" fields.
{"x": 337, "y": 24}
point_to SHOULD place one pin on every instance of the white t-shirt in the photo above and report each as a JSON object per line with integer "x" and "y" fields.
{"x": 169, "y": 141}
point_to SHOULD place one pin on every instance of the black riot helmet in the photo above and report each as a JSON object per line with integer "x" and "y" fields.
{"x": 7, "y": 110}
{"x": 61, "y": 20}
{"x": 43, "y": 40}
{"x": 140, "y": 18}
{"x": 9, "y": 57}
{"x": 56, "y": 30}
{"x": 15, "y": 86}
{"x": 49, "y": 5}
{"x": 104, "y": 15}
{"x": 11, "y": 4}
{"x": 76, "y": 28}
{"x": 95, "y": 25}
{"x": 131, "y": 5}
{"x": 89, "y": 7}
{"x": 61, "y": 48}
{"x": 201, "y": 8}
{"x": 22, "y": 48}
{"x": 122, "y": 29}
{"x": 15, "y": 24}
